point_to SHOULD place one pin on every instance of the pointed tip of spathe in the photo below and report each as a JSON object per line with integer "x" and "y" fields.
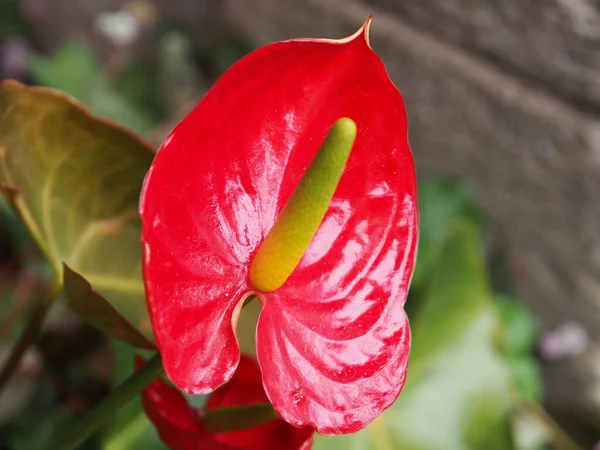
{"x": 362, "y": 32}
{"x": 366, "y": 28}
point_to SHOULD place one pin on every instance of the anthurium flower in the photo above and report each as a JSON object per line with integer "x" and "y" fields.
{"x": 292, "y": 180}
{"x": 181, "y": 427}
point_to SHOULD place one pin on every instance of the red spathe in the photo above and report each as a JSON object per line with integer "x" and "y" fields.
{"x": 333, "y": 341}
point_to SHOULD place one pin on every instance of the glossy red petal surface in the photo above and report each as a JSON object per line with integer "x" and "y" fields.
{"x": 333, "y": 341}
{"x": 180, "y": 426}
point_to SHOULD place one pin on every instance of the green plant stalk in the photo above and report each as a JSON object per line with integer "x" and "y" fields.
{"x": 30, "y": 334}
{"x": 234, "y": 418}
{"x": 560, "y": 439}
{"x": 108, "y": 407}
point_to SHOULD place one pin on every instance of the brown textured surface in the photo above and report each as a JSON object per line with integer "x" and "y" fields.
{"x": 555, "y": 42}
{"x": 534, "y": 158}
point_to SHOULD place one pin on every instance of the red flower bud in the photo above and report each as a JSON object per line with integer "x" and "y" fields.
{"x": 180, "y": 426}
{"x": 333, "y": 340}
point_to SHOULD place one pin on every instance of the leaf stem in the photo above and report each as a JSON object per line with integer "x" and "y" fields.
{"x": 234, "y": 418}
{"x": 107, "y": 408}
{"x": 26, "y": 286}
{"x": 560, "y": 439}
{"x": 30, "y": 334}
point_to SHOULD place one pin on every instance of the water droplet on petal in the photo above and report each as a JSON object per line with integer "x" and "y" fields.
{"x": 297, "y": 395}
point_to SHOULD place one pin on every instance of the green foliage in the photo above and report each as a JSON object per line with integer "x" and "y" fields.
{"x": 517, "y": 341}
{"x": 519, "y": 325}
{"x": 457, "y": 292}
{"x": 11, "y": 21}
{"x": 136, "y": 85}
{"x": 441, "y": 202}
{"x": 74, "y": 70}
{"x": 75, "y": 182}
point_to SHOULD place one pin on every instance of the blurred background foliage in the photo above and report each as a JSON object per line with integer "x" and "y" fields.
{"x": 474, "y": 380}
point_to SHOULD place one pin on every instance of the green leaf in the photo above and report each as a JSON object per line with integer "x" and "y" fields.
{"x": 520, "y": 328}
{"x": 487, "y": 424}
{"x": 442, "y": 201}
{"x": 74, "y": 70}
{"x": 527, "y": 377}
{"x": 458, "y": 394}
{"x": 75, "y": 181}
{"x": 12, "y": 22}
{"x": 232, "y": 418}
{"x": 517, "y": 340}
{"x": 457, "y": 294}
{"x": 101, "y": 314}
